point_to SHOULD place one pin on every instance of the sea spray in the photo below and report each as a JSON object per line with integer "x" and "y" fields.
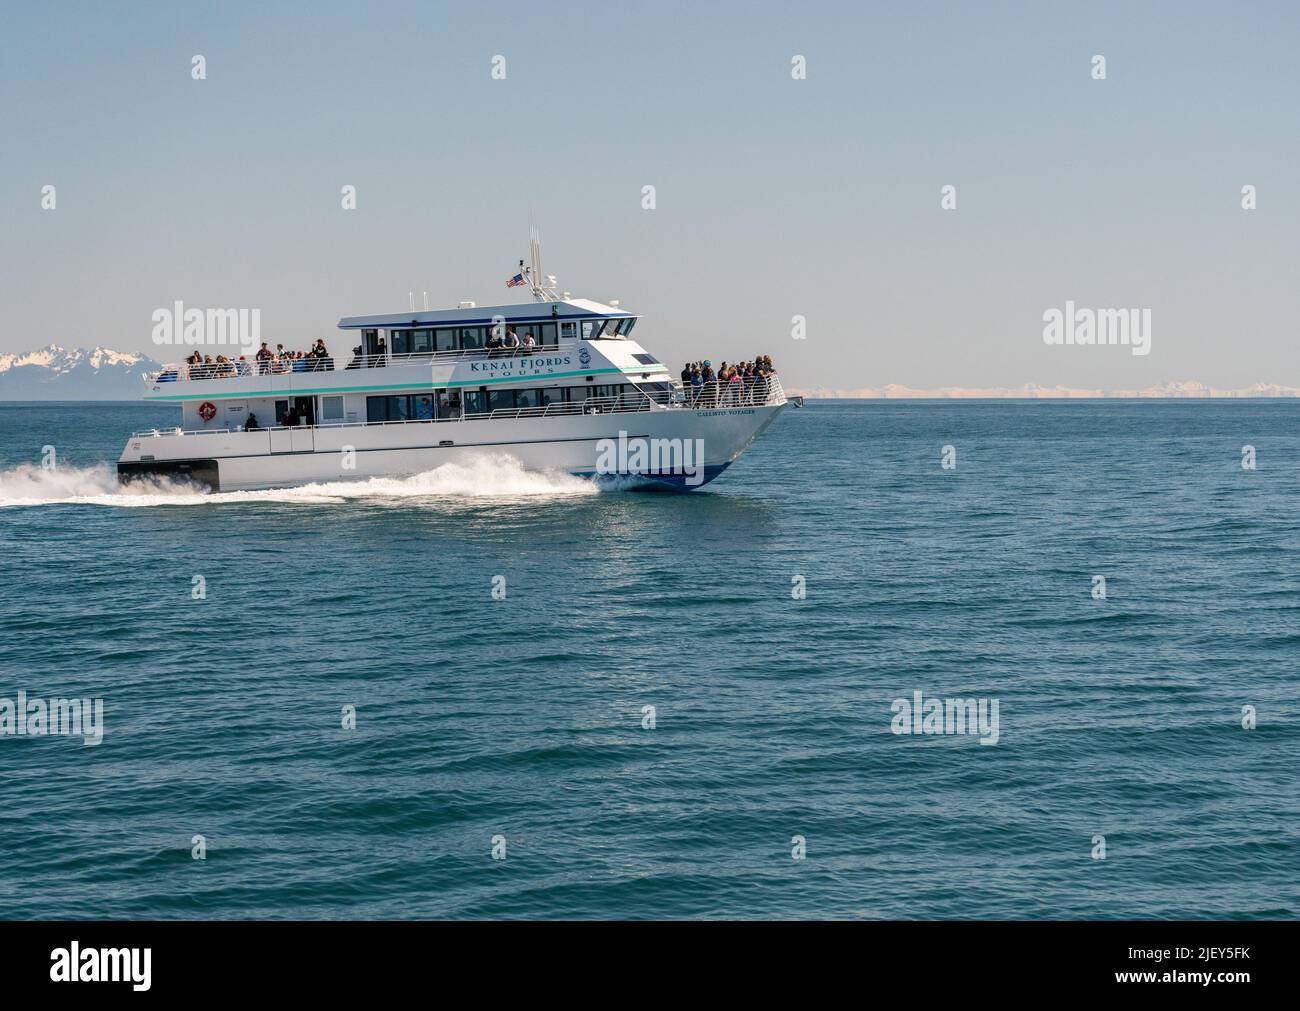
{"x": 496, "y": 476}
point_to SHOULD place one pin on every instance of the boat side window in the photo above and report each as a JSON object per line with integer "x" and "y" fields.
{"x": 331, "y": 408}
{"x": 421, "y": 342}
{"x": 471, "y": 338}
{"x": 446, "y": 339}
{"x": 475, "y": 402}
{"x": 568, "y": 330}
{"x": 625, "y": 327}
{"x": 399, "y": 342}
{"x": 500, "y": 400}
{"x": 590, "y": 329}
{"x": 547, "y": 337}
{"x": 527, "y": 398}
{"x": 388, "y": 408}
{"x": 553, "y": 395}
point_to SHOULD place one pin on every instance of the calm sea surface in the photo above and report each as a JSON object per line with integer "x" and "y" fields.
{"x": 523, "y": 718}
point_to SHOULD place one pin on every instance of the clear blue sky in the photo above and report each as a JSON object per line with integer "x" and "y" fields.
{"x": 775, "y": 197}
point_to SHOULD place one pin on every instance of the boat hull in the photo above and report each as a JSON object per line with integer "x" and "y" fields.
{"x": 578, "y": 444}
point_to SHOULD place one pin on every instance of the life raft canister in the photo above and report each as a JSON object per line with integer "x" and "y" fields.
{"x": 207, "y": 410}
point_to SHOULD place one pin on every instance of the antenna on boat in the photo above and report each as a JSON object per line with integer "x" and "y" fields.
{"x": 426, "y": 301}
{"x": 411, "y": 295}
{"x": 543, "y": 286}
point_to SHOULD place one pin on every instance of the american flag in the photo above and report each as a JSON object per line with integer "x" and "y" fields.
{"x": 517, "y": 279}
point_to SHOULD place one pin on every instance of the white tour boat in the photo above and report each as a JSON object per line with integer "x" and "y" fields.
{"x": 577, "y": 394}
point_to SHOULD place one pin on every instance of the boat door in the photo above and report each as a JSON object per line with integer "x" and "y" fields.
{"x": 281, "y": 440}
{"x": 448, "y": 406}
{"x": 303, "y": 437}
{"x": 299, "y": 438}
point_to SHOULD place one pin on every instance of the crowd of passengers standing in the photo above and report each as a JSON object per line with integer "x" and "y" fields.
{"x": 738, "y": 383}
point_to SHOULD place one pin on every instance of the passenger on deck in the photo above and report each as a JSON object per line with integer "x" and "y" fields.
{"x": 511, "y": 341}
{"x": 424, "y": 411}
{"x": 264, "y": 356}
{"x": 251, "y": 424}
{"x": 494, "y": 343}
{"x": 381, "y": 354}
{"x": 290, "y": 418}
{"x": 356, "y": 359}
{"x": 735, "y": 386}
{"x": 528, "y": 344}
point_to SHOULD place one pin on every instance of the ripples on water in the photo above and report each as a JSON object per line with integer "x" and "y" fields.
{"x": 523, "y": 717}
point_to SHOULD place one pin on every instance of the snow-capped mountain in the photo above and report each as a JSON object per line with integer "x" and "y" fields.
{"x": 58, "y": 373}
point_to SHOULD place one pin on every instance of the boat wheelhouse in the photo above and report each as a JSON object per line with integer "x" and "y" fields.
{"x": 559, "y": 383}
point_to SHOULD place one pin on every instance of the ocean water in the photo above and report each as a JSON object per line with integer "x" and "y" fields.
{"x": 522, "y": 718}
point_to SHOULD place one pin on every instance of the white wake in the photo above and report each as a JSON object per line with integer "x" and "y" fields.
{"x": 498, "y": 477}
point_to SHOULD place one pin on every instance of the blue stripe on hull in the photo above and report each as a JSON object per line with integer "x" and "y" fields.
{"x": 655, "y": 482}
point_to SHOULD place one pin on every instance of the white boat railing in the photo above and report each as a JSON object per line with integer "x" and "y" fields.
{"x": 181, "y": 372}
{"x": 759, "y": 392}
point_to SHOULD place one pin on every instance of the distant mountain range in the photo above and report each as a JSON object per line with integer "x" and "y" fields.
{"x": 1032, "y": 391}
{"x": 59, "y": 373}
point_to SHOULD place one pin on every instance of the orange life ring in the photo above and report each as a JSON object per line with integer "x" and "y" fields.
{"x": 207, "y": 410}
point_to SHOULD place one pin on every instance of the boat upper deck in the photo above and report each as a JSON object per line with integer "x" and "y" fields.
{"x": 599, "y": 361}
{"x": 462, "y": 346}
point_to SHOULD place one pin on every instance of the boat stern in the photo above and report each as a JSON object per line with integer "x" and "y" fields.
{"x": 135, "y": 466}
